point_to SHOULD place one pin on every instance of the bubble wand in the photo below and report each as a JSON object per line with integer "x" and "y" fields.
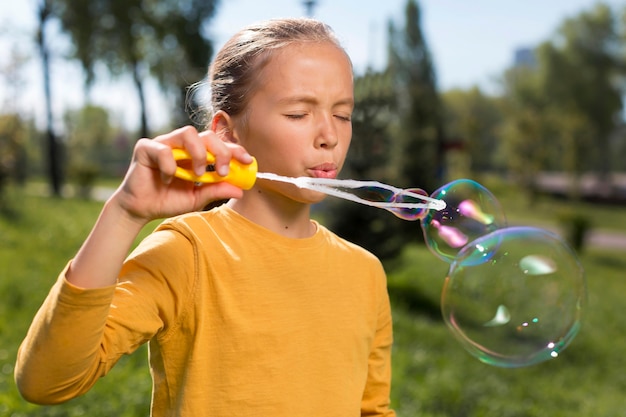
{"x": 371, "y": 193}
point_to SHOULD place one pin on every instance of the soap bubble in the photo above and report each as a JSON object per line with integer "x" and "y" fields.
{"x": 389, "y": 198}
{"x": 471, "y": 212}
{"x": 407, "y": 197}
{"x": 514, "y": 297}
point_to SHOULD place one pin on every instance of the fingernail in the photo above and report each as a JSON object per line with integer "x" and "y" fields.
{"x": 223, "y": 170}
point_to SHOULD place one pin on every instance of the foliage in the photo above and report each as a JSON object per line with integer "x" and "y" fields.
{"x": 164, "y": 39}
{"x": 13, "y": 136}
{"x": 397, "y": 136}
{"x": 369, "y": 157}
{"x": 525, "y": 129}
{"x": 560, "y": 114}
{"x": 418, "y": 133}
{"x": 580, "y": 70}
{"x": 576, "y": 226}
{"x": 472, "y": 119}
{"x": 89, "y": 136}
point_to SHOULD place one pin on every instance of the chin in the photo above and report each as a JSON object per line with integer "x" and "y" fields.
{"x": 310, "y": 197}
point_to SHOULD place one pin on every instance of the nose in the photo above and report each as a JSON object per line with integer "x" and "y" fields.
{"x": 326, "y": 135}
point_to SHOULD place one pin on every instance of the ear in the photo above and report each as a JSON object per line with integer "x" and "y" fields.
{"x": 224, "y": 126}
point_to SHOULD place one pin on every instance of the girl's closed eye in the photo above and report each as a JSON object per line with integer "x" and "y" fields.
{"x": 295, "y": 116}
{"x": 344, "y": 117}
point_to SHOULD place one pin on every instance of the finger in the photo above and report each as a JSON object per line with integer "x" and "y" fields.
{"x": 240, "y": 153}
{"x": 237, "y": 151}
{"x": 219, "y": 149}
{"x": 154, "y": 155}
{"x": 194, "y": 144}
{"x": 165, "y": 162}
{"x": 187, "y": 138}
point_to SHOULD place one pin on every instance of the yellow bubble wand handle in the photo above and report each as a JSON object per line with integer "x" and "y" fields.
{"x": 239, "y": 175}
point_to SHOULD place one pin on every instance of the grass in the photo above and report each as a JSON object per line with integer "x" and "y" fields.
{"x": 432, "y": 377}
{"x": 37, "y": 237}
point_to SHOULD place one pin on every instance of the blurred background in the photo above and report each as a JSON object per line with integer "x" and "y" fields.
{"x": 524, "y": 97}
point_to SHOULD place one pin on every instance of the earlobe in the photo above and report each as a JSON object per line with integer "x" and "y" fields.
{"x": 223, "y": 125}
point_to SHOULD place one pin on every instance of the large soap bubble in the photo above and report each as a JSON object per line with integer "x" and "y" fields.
{"x": 514, "y": 297}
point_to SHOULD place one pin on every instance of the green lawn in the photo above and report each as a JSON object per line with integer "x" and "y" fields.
{"x": 433, "y": 375}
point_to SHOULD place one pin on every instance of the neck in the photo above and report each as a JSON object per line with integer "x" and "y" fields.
{"x": 284, "y": 217}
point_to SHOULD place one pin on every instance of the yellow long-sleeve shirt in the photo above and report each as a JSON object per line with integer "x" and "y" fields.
{"x": 240, "y": 322}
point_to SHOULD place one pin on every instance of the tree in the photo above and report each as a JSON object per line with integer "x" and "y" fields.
{"x": 53, "y": 146}
{"x": 369, "y": 156}
{"x": 580, "y": 70}
{"x": 165, "y": 39}
{"x": 13, "y": 135}
{"x": 14, "y": 129}
{"x": 397, "y": 133}
{"x": 419, "y": 129}
{"x": 562, "y": 113}
{"x": 526, "y": 129}
{"x": 472, "y": 120}
{"x": 89, "y": 139}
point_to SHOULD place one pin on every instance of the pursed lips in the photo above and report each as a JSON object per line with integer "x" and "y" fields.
{"x": 327, "y": 170}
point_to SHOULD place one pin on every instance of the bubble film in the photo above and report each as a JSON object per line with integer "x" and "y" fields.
{"x": 471, "y": 212}
{"x": 514, "y": 297}
{"x": 409, "y": 213}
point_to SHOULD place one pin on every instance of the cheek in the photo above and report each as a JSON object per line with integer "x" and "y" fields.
{"x": 346, "y": 139}
{"x": 273, "y": 156}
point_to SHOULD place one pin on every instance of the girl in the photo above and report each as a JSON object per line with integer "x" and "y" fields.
{"x": 251, "y": 308}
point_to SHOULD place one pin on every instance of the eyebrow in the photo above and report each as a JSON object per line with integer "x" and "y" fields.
{"x": 312, "y": 100}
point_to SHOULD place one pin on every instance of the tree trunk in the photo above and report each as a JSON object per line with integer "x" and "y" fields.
{"x": 52, "y": 148}
{"x": 142, "y": 100}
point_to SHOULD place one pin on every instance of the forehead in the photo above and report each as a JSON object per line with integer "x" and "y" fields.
{"x": 308, "y": 65}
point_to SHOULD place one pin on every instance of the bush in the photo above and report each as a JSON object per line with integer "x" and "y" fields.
{"x": 576, "y": 227}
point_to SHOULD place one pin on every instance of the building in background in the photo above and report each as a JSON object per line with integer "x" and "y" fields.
{"x": 524, "y": 57}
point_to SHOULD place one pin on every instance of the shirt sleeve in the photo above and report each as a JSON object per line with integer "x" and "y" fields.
{"x": 78, "y": 335}
{"x": 56, "y": 360}
{"x": 376, "y": 397}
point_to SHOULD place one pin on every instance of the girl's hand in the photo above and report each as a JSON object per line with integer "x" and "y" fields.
{"x": 150, "y": 190}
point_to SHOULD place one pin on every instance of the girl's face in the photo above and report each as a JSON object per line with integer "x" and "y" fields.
{"x": 298, "y": 118}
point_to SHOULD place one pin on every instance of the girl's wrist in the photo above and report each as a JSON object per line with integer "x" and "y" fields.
{"x": 115, "y": 210}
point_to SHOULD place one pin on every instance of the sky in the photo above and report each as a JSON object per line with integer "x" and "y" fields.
{"x": 472, "y": 43}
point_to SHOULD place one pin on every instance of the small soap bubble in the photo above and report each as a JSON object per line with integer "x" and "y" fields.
{"x": 522, "y": 304}
{"x": 370, "y": 193}
{"x": 471, "y": 211}
{"x": 409, "y": 196}
{"x": 376, "y": 194}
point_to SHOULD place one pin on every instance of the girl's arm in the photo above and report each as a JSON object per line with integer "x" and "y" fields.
{"x": 150, "y": 191}
{"x": 62, "y": 354}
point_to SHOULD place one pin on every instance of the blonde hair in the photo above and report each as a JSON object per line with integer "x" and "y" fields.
{"x": 236, "y": 67}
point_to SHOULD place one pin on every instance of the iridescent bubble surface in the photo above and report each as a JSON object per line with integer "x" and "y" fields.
{"x": 520, "y": 305}
{"x": 406, "y": 197}
{"x": 409, "y": 196}
{"x": 471, "y": 211}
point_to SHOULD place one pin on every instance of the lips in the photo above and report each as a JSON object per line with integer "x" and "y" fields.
{"x": 327, "y": 170}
